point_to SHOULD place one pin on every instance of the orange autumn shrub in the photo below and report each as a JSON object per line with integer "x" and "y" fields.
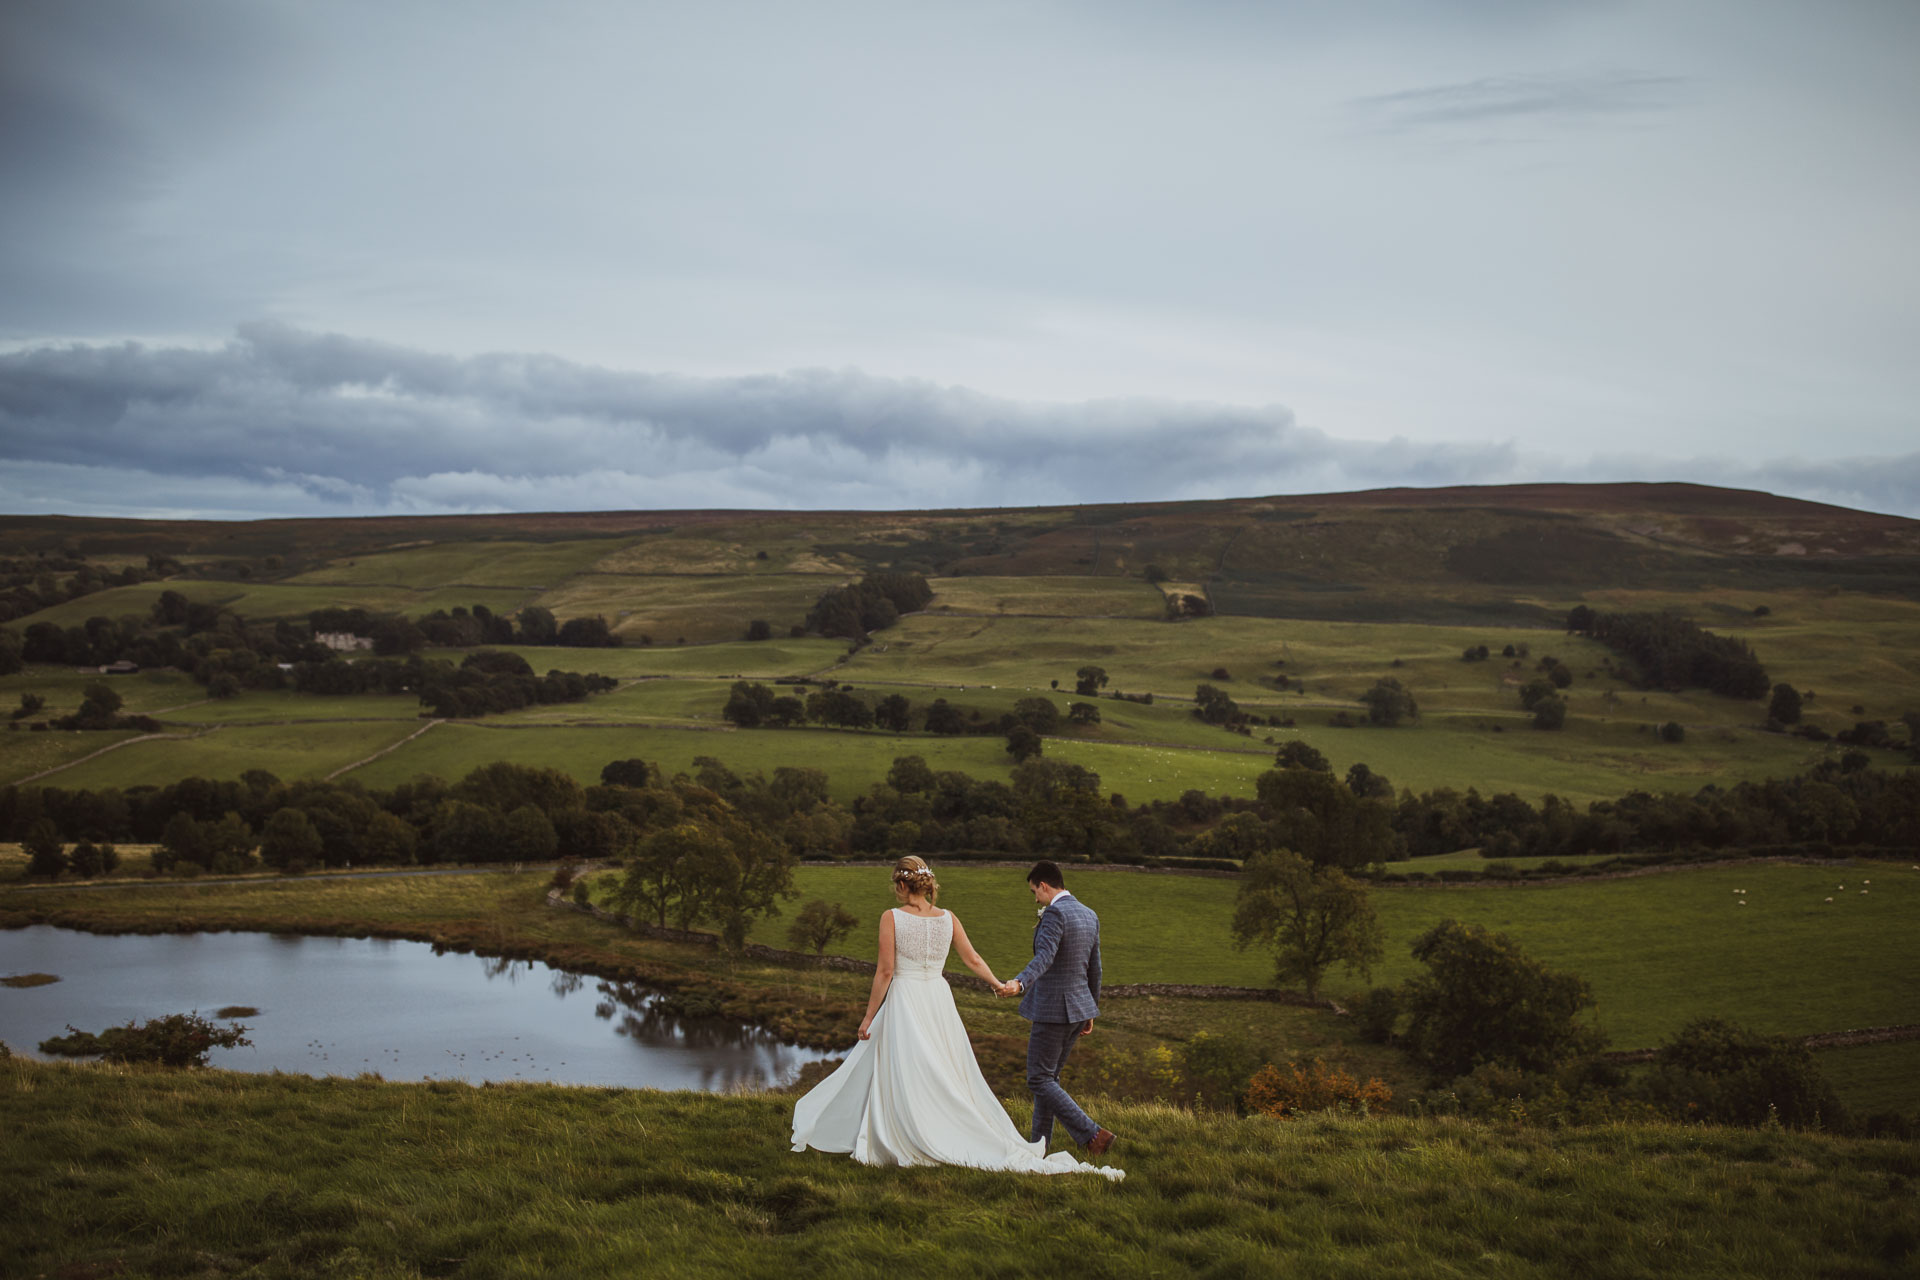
{"x": 1286, "y": 1093}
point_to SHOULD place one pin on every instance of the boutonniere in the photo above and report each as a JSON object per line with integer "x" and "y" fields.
{"x": 1036, "y": 916}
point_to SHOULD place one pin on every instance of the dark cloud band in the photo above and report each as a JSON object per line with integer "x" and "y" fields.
{"x": 279, "y": 420}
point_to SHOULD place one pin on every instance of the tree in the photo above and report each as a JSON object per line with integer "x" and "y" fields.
{"x": 893, "y": 712}
{"x": 289, "y": 843}
{"x": 1038, "y": 714}
{"x": 1533, "y": 691}
{"x": 505, "y": 786}
{"x": 944, "y": 718}
{"x": 1089, "y": 680}
{"x": 183, "y": 841}
{"x": 1309, "y": 917}
{"x": 229, "y": 843}
{"x": 1673, "y": 731}
{"x": 759, "y": 629}
{"x": 1550, "y": 712}
{"x": 1317, "y": 816}
{"x": 1023, "y": 744}
{"x": 1389, "y": 702}
{"x": 100, "y": 701}
{"x": 89, "y": 859}
{"x": 748, "y": 705}
{"x": 664, "y": 873}
{"x": 465, "y": 832}
{"x": 11, "y": 649}
{"x": 1483, "y": 1000}
{"x": 537, "y": 625}
{"x": 1367, "y": 784}
{"x": 1214, "y": 706}
{"x": 527, "y": 835}
{"x": 910, "y": 775}
{"x": 1083, "y": 713}
{"x": 797, "y": 788}
{"x": 626, "y": 773}
{"x": 1296, "y": 754}
{"x": 45, "y": 857}
{"x": 818, "y": 924}
{"x": 587, "y": 633}
{"x": 1785, "y": 706}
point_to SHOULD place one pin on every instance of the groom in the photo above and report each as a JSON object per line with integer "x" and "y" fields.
{"x": 1058, "y": 991}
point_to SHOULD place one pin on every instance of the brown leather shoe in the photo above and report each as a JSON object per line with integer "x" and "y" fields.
{"x": 1098, "y": 1144}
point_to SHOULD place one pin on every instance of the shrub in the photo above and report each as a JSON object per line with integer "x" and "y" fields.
{"x": 1218, "y": 1068}
{"x": 816, "y": 925}
{"x": 1484, "y": 1000}
{"x": 1286, "y": 1093}
{"x": 1376, "y": 1012}
{"x": 1718, "y": 1072}
{"x": 177, "y": 1040}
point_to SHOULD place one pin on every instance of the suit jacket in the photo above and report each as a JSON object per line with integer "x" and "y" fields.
{"x": 1062, "y": 984}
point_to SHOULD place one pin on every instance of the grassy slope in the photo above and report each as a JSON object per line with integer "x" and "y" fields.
{"x": 1658, "y": 950}
{"x": 306, "y": 1177}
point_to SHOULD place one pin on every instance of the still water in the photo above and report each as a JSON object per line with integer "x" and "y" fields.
{"x": 341, "y": 1006}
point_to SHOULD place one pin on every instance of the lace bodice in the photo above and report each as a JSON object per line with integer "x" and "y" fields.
{"x": 920, "y": 943}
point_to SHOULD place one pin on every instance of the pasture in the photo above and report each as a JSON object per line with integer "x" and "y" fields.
{"x": 1658, "y": 950}
{"x": 305, "y": 749}
{"x": 338, "y": 1176}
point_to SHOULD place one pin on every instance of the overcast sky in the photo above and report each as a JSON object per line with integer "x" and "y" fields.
{"x": 260, "y": 258}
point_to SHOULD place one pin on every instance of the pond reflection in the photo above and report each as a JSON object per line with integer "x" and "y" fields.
{"x": 402, "y": 1009}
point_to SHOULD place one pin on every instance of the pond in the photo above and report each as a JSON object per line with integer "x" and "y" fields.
{"x": 341, "y": 1006}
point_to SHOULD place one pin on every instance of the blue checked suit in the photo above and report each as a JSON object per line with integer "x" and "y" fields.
{"x": 1059, "y": 994}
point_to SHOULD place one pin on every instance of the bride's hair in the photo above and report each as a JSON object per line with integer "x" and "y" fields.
{"x": 913, "y": 875}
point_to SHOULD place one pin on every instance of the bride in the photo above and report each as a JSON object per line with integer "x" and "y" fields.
{"x": 910, "y": 1092}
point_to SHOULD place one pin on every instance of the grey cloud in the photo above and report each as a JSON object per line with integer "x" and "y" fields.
{"x": 1500, "y": 100}
{"x": 280, "y": 421}
{"x": 370, "y": 424}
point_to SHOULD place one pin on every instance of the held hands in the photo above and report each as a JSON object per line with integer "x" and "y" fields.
{"x": 1007, "y": 989}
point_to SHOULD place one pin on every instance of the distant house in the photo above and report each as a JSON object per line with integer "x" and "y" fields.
{"x": 343, "y": 641}
{"x": 120, "y": 668}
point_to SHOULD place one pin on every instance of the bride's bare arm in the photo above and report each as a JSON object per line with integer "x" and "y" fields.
{"x": 882, "y": 974}
{"x": 970, "y": 957}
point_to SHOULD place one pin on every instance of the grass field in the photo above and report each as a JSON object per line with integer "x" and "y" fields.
{"x": 305, "y": 1177}
{"x": 695, "y": 609}
{"x": 313, "y": 749}
{"x": 1658, "y": 950}
{"x": 524, "y": 566}
{"x": 1060, "y": 597}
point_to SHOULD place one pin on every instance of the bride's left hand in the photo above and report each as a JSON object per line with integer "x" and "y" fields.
{"x": 866, "y": 1030}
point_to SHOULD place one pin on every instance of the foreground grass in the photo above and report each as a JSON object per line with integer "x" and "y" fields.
{"x": 119, "y": 1171}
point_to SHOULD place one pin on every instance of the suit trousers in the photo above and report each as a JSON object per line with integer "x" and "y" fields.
{"x": 1048, "y": 1044}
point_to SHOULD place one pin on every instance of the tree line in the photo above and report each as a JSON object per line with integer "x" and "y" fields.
{"x": 1045, "y": 808}
{"x": 29, "y": 584}
{"x": 873, "y": 603}
{"x": 1674, "y": 653}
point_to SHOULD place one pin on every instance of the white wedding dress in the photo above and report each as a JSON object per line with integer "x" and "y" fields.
{"x": 912, "y": 1093}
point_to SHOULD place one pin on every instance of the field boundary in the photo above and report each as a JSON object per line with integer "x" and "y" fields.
{"x": 1818, "y": 1040}
{"x": 113, "y": 746}
{"x": 348, "y": 768}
